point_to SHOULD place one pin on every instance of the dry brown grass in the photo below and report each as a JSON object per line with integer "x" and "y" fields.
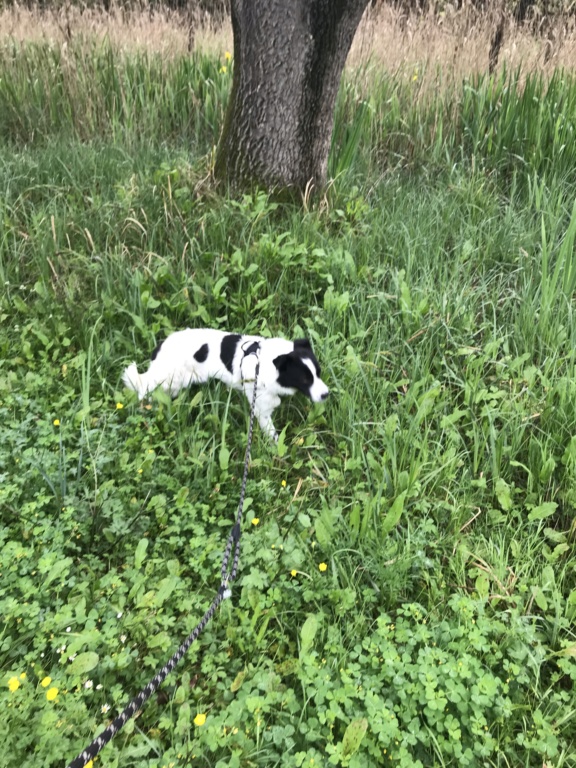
{"x": 456, "y": 42}
{"x": 162, "y": 31}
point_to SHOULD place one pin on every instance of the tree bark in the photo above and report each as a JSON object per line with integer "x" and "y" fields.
{"x": 288, "y": 60}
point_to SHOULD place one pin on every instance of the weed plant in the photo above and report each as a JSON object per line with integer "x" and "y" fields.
{"x": 407, "y": 587}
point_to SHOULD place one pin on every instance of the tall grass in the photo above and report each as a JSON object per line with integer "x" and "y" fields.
{"x": 410, "y": 550}
{"x": 89, "y": 90}
{"x": 507, "y": 123}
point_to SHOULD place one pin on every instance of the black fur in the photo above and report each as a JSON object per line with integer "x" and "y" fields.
{"x": 293, "y": 373}
{"x": 252, "y": 349}
{"x": 228, "y": 349}
{"x": 155, "y": 351}
{"x": 305, "y": 350}
{"x": 201, "y": 354}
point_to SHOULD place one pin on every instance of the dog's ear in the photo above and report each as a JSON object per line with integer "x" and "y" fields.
{"x": 302, "y": 344}
{"x": 281, "y": 362}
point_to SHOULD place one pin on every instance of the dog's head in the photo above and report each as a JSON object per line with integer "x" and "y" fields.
{"x": 299, "y": 370}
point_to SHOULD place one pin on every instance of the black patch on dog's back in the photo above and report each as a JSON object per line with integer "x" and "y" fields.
{"x": 201, "y": 354}
{"x": 293, "y": 373}
{"x": 228, "y": 349}
{"x": 156, "y": 350}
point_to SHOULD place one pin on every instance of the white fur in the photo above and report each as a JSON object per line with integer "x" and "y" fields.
{"x": 175, "y": 368}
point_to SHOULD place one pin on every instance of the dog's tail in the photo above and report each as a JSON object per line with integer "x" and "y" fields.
{"x": 133, "y": 380}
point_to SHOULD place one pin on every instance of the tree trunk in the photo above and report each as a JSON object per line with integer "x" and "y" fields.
{"x": 288, "y": 59}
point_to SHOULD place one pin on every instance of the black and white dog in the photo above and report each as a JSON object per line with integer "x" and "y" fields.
{"x": 194, "y": 356}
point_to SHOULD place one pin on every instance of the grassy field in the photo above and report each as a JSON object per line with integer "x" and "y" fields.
{"x": 407, "y": 591}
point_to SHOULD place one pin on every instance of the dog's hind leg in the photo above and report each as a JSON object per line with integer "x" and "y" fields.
{"x": 133, "y": 380}
{"x": 144, "y": 383}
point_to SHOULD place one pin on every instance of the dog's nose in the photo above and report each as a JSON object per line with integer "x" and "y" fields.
{"x": 324, "y": 395}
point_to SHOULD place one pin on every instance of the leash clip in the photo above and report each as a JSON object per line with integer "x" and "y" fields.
{"x": 225, "y": 590}
{"x": 252, "y": 349}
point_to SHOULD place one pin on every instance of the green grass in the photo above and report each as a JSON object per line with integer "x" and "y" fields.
{"x": 435, "y": 281}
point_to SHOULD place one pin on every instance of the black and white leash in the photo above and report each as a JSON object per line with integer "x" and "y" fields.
{"x": 227, "y": 577}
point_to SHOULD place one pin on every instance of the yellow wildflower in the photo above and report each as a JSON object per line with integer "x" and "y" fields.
{"x": 13, "y": 684}
{"x": 283, "y": 483}
{"x": 56, "y": 422}
{"x": 119, "y": 406}
{"x": 46, "y": 682}
{"x": 51, "y": 694}
{"x": 255, "y": 520}
{"x": 293, "y": 572}
{"x": 323, "y": 567}
{"x": 23, "y": 676}
{"x": 227, "y": 55}
{"x": 223, "y": 70}
{"x": 200, "y": 719}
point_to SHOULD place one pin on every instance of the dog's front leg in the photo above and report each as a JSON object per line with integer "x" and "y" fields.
{"x": 263, "y": 409}
{"x": 267, "y": 425}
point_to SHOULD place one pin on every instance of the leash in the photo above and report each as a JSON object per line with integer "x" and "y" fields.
{"x": 227, "y": 577}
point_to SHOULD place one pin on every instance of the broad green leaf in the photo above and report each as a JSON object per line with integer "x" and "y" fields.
{"x": 83, "y": 663}
{"x": 180, "y": 695}
{"x": 196, "y": 399}
{"x": 539, "y": 598}
{"x": 482, "y": 584}
{"x": 147, "y": 599}
{"x": 394, "y": 514}
{"x": 452, "y": 418}
{"x": 322, "y": 534}
{"x": 558, "y": 537}
{"x": 281, "y": 444}
{"x": 353, "y": 736}
{"x": 165, "y": 589}
{"x": 503, "y": 494}
{"x": 547, "y": 469}
{"x": 218, "y": 285}
{"x": 60, "y": 568}
{"x": 90, "y": 637}
{"x": 354, "y": 522}
{"x": 263, "y": 629}
{"x": 224, "y": 457}
{"x": 140, "y": 553}
{"x": 548, "y": 578}
{"x": 558, "y": 551}
{"x": 181, "y": 497}
{"x": 159, "y": 640}
{"x": 237, "y": 682}
{"x": 307, "y": 634}
{"x": 543, "y": 511}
